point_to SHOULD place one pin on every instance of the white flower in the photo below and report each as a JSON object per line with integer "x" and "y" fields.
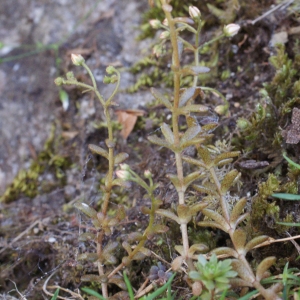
{"x": 77, "y": 59}
{"x": 194, "y": 12}
{"x": 231, "y": 29}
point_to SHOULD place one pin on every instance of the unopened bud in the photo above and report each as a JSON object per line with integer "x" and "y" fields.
{"x": 106, "y": 80}
{"x": 164, "y": 35}
{"x": 147, "y": 174}
{"x": 157, "y": 50}
{"x": 167, "y": 7}
{"x": 59, "y": 81}
{"x": 77, "y": 59}
{"x": 113, "y": 78}
{"x": 110, "y": 70}
{"x": 231, "y": 29}
{"x": 124, "y": 167}
{"x": 165, "y": 22}
{"x": 123, "y": 174}
{"x": 221, "y": 109}
{"x": 70, "y": 75}
{"x": 194, "y": 12}
{"x": 242, "y": 123}
{"x": 155, "y": 24}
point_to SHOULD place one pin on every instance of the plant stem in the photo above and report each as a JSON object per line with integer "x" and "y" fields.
{"x": 109, "y": 177}
{"x": 268, "y": 294}
{"x": 147, "y": 230}
{"x": 178, "y": 155}
{"x": 211, "y": 41}
{"x": 196, "y": 51}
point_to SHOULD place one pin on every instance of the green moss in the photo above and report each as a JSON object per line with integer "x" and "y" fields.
{"x": 262, "y": 205}
{"x": 27, "y": 182}
{"x": 266, "y": 207}
{"x": 263, "y": 132}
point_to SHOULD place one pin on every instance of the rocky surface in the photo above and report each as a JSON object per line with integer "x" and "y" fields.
{"x": 103, "y": 31}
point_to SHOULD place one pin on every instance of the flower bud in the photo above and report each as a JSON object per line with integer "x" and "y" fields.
{"x": 242, "y": 123}
{"x": 157, "y": 50}
{"x": 231, "y": 29}
{"x": 147, "y": 174}
{"x": 164, "y": 35}
{"x": 123, "y": 174}
{"x": 106, "y": 80}
{"x": 110, "y": 70}
{"x": 113, "y": 79}
{"x": 167, "y": 8}
{"x": 221, "y": 109}
{"x": 59, "y": 81}
{"x": 155, "y": 24}
{"x": 194, "y": 12}
{"x": 77, "y": 59}
{"x": 70, "y": 76}
{"x": 165, "y": 22}
{"x": 124, "y": 167}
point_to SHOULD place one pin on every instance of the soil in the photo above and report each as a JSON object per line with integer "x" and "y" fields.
{"x": 39, "y": 233}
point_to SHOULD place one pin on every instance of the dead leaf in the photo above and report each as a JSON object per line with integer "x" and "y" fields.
{"x": 127, "y": 118}
{"x": 293, "y": 131}
{"x": 68, "y": 135}
{"x": 253, "y": 164}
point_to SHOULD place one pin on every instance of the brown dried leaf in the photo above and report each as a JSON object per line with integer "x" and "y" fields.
{"x": 253, "y": 164}
{"x": 177, "y": 263}
{"x": 127, "y": 118}
{"x": 293, "y": 134}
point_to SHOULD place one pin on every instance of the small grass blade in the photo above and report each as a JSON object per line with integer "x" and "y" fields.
{"x": 291, "y": 162}
{"x": 129, "y": 287}
{"x": 161, "y": 289}
{"x": 93, "y": 293}
{"x": 249, "y": 295}
{"x": 55, "y": 295}
{"x": 289, "y": 224}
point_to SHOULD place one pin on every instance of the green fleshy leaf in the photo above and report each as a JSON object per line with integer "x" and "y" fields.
{"x": 160, "y": 142}
{"x": 191, "y": 133}
{"x": 286, "y": 196}
{"x": 168, "y": 214}
{"x": 229, "y": 180}
{"x": 120, "y": 158}
{"x": 158, "y": 96}
{"x": 186, "y": 96}
{"x": 64, "y": 98}
{"x": 167, "y": 132}
{"x": 98, "y": 150}
{"x": 197, "y": 108}
{"x": 86, "y": 209}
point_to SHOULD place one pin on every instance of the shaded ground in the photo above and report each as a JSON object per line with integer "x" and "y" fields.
{"x": 39, "y": 227}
